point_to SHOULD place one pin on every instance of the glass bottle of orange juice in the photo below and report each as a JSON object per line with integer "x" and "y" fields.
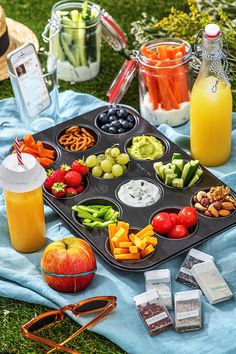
{"x": 211, "y": 103}
{"x": 24, "y": 201}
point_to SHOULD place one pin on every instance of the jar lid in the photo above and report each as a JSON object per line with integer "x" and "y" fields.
{"x": 21, "y": 178}
{"x": 112, "y": 33}
{"x": 122, "y": 81}
{"x": 212, "y": 30}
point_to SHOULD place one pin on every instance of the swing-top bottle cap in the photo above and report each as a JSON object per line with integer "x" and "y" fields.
{"x": 212, "y": 30}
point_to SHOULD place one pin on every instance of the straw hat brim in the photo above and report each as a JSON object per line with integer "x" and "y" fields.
{"x": 19, "y": 35}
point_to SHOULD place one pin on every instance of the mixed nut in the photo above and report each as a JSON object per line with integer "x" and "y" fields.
{"x": 217, "y": 202}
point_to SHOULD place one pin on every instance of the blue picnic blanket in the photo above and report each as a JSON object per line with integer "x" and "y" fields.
{"x": 20, "y": 278}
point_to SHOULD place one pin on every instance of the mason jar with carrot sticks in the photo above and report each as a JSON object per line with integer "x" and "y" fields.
{"x": 165, "y": 80}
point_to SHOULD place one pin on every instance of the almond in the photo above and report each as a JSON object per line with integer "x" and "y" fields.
{"x": 224, "y": 212}
{"x": 213, "y": 211}
{"x": 227, "y": 206}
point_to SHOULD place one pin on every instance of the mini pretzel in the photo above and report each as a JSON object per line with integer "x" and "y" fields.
{"x": 76, "y": 139}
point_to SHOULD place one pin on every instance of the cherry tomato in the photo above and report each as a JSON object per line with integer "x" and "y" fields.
{"x": 178, "y": 231}
{"x": 174, "y": 218}
{"x": 188, "y": 216}
{"x": 162, "y": 223}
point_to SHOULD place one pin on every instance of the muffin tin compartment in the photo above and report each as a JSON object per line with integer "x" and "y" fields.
{"x": 105, "y": 191}
{"x": 192, "y": 230}
{"x": 70, "y": 138}
{"x": 165, "y": 144}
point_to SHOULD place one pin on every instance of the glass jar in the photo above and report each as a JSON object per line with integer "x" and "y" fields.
{"x": 165, "y": 81}
{"x": 76, "y": 28}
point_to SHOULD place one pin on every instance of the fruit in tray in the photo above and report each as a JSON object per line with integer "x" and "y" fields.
{"x": 96, "y": 216}
{"x": 146, "y": 147}
{"x": 67, "y": 181}
{"x": 111, "y": 164}
{"x": 45, "y": 156}
{"x": 216, "y": 202}
{"x": 178, "y": 173}
{"x": 116, "y": 121}
{"x": 175, "y": 225}
{"x": 76, "y": 138}
{"x": 71, "y": 255}
{"x": 126, "y": 245}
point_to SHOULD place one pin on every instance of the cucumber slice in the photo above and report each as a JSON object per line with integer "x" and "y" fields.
{"x": 199, "y": 172}
{"x": 75, "y": 18}
{"x": 82, "y": 41}
{"x": 169, "y": 178}
{"x": 189, "y": 171}
{"x": 179, "y": 166}
{"x": 67, "y": 51}
{"x": 168, "y": 171}
{"x": 157, "y": 166}
{"x": 178, "y": 183}
{"x": 194, "y": 180}
{"x": 62, "y": 13}
{"x": 161, "y": 172}
{"x": 176, "y": 156}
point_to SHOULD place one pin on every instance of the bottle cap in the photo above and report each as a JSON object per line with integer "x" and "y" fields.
{"x": 21, "y": 178}
{"x": 212, "y": 30}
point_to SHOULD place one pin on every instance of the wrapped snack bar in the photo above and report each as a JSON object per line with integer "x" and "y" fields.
{"x": 153, "y": 313}
{"x": 188, "y": 311}
{"x": 184, "y": 275}
{"x": 161, "y": 281}
{"x": 211, "y": 282}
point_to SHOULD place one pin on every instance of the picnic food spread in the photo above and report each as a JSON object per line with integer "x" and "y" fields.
{"x": 98, "y": 194}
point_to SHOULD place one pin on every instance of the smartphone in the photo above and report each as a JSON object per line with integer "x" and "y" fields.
{"x": 24, "y": 63}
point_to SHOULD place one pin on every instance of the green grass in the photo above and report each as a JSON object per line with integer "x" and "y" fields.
{"x": 35, "y": 13}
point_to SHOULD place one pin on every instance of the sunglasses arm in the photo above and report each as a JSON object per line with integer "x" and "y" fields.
{"x": 88, "y": 325}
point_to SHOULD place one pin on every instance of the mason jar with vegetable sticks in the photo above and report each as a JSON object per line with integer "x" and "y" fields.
{"x": 75, "y": 32}
{"x": 165, "y": 80}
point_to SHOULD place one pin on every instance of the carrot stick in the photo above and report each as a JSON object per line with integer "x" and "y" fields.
{"x": 28, "y": 139}
{"x": 49, "y": 153}
{"x": 162, "y": 51}
{"x": 170, "y": 53}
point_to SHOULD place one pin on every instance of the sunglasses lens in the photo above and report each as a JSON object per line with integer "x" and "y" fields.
{"x": 93, "y": 305}
{"x": 42, "y": 322}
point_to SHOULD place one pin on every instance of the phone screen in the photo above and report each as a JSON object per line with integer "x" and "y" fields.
{"x": 31, "y": 82}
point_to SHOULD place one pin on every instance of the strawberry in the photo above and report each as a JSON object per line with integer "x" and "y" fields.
{"x": 73, "y": 178}
{"x": 59, "y": 190}
{"x": 65, "y": 168}
{"x": 70, "y": 192}
{"x": 80, "y": 189}
{"x": 54, "y": 177}
{"x": 79, "y": 166}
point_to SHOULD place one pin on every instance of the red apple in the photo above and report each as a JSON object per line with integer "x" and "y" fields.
{"x": 70, "y": 255}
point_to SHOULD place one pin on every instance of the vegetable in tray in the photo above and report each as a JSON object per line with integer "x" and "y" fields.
{"x": 178, "y": 173}
{"x": 96, "y": 216}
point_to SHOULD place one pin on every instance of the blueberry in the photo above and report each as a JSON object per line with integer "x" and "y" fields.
{"x": 130, "y": 118}
{"x": 116, "y": 124}
{"x": 111, "y": 112}
{"x": 121, "y": 130}
{"x": 112, "y": 130}
{"x": 121, "y": 120}
{"x": 105, "y": 127}
{"x": 125, "y": 124}
{"x": 131, "y": 125}
{"x": 112, "y": 118}
{"x": 122, "y": 113}
{"x": 103, "y": 118}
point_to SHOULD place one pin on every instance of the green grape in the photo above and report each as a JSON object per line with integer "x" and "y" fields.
{"x": 91, "y": 161}
{"x": 101, "y": 157}
{"x": 97, "y": 171}
{"x": 107, "y": 151}
{"x": 106, "y": 165}
{"x": 108, "y": 175}
{"x": 122, "y": 159}
{"x": 117, "y": 170}
{"x": 115, "y": 152}
{"x": 124, "y": 168}
{"x": 112, "y": 161}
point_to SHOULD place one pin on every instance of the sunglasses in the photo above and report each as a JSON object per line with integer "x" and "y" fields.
{"x": 105, "y": 304}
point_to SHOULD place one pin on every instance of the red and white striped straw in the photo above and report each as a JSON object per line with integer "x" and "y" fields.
{"x": 18, "y": 152}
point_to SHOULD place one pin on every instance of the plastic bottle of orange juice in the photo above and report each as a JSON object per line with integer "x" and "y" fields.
{"x": 211, "y": 103}
{"x": 24, "y": 201}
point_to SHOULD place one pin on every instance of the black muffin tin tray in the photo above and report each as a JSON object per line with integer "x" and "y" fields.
{"x": 104, "y": 191}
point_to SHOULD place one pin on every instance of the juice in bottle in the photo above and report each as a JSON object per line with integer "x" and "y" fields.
{"x": 24, "y": 201}
{"x": 211, "y": 105}
{"x": 26, "y": 219}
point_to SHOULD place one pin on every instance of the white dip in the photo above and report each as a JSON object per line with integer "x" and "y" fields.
{"x": 139, "y": 193}
{"x": 68, "y": 72}
{"x": 174, "y": 117}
